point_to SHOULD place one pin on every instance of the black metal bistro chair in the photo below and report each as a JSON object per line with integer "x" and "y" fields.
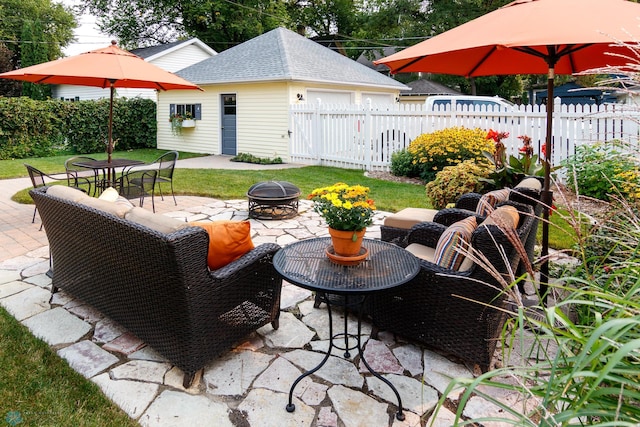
{"x": 39, "y": 179}
{"x": 80, "y": 175}
{"x": 138, "y": 184}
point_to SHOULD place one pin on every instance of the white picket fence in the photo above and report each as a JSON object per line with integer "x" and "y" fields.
{"x": 364, "y": 137}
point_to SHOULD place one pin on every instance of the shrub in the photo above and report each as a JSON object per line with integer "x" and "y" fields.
{"x": 454, "y": 181}
{"x": 447, "y": 147}
{"x": 597, "y": 169}
{"x": 402, "y": 164}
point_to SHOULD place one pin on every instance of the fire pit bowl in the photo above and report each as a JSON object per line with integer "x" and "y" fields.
{"x": 273, "y": 200}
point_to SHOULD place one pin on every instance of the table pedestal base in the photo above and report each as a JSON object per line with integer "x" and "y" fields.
{"x": 359, "y": 304}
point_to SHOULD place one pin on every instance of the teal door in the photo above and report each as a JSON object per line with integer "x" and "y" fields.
{"x": 229, "y": 131}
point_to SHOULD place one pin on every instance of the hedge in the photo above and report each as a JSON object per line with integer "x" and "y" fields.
{"x": 31, "y": 128}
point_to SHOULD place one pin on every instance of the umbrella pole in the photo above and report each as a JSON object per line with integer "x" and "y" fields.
{"x": 110, "y": 137}
{"x": 547, "y": 196}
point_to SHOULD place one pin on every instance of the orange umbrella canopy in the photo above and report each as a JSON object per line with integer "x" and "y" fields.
{"x": 100, "y": 68}
{"x": 109, "y": 67}
{"x": 515, "y": 39}
{"x": 531, "y": 37}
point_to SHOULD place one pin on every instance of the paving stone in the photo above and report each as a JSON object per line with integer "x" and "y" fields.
{"x": 266, "y": 408}
{"x": 107, "y": 330}
{"x": 442, "y": 418}
{"x": 175, "y": 377}
{"x": 253, "y": 343}
{"x": 380, "y": 359}
{"x": 147, "y": 353}
{"x": 11, "y": 288}
{"x": 280, "y": 376}
{"x": 306, "y": 307}
{"x": 314, "y": 394}
{"x": 41, "y": 280}
{"x": 7, "y": 276}
{"x": 27, "y": 303}
{"x": 87, "y": 313}
{"x": 327, "y": 418}
{"x": 232, "y": 374}
{"x": 57, "y": 326}
{"x": 439, "y": 371}
{"x": 61, "y": 298}
{"x": 38, "y": 268}
{"x": 410, "y": 420}
{"x": 356, "y": 409}
{"x": 292, "y": 333}
{"x": 291, "y": 295}
{"x": 42, "y": 252}
{"x": 322, "y": 346}
{"x": 410, "y": 357}
{"x": 478, "y": 407}
{"x": 132, "y": 396}
{"x": 416, "y": 397}
{"x": 141, "y": 370}
{"x": 176, "y": 409}
{"x": 19, "y": 263}
{"x": 125, "y": 344}
{"x": 318, "y": 320}
{"x": 335, "y": 371}
{"x": 87, "y": 358}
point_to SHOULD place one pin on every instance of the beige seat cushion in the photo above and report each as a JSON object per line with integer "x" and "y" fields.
{"x": 408, "y": 217}
{"x": 67, "y": 193}
{"x": 110, "y": 195}
{"x": 504, "y": 216}
{"x": 161, "y": 223}
{"x": 532, "y": 183}
{"x": 116, "y": 209}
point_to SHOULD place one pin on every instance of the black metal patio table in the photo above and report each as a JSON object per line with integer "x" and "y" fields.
{"x": 306, "y": 264}
{"x": 109, "y": 177}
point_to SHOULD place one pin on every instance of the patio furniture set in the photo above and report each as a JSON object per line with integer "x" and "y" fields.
{"x": 150, "y": 273}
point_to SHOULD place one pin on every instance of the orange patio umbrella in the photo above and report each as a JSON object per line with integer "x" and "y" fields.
{"x": 109, "y": 67}
{"x": 531, "y": 37}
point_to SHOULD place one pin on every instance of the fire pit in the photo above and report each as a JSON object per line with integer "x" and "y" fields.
{"x": 273, "y": 200}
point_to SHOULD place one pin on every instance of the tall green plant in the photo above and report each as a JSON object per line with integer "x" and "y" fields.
{"x": 581, "y": 365}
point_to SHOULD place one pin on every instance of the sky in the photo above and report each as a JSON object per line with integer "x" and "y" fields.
{"x": 87, "y": 34}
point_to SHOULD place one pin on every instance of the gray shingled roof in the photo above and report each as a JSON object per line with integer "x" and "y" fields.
{"x": 282, "y": 55}
{"x": 428, "y": 87}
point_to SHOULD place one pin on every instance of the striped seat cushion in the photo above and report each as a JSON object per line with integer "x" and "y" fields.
{"x": 488, "y": 201}
{"x": 454, "y": 243}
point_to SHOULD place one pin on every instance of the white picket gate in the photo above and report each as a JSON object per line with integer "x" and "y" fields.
{"x": 364, "y": 137}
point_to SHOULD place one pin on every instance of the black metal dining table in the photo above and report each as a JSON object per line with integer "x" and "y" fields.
{"x": 105, "y": 171}
{"x": 306, "y": 264}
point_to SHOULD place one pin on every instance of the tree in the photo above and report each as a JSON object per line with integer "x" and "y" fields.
{"x": 33, "y": 52}
{"x": 219, "y": 23}
{"x": 56, "y": 28}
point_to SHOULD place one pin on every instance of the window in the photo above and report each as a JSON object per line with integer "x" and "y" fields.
{"x": 195, "y": 110}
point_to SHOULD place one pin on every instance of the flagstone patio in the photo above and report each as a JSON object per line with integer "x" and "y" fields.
{"x": 249, "y": 385}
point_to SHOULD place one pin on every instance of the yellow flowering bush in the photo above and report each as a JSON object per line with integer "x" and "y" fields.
{"x": 628, "y": 183}
{"x": 344, "y": 207}
{"x": 454, "y": 181}
{"x": 447, "y": 147}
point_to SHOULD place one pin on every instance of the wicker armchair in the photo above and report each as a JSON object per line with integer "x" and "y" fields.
{"x": 457, "y": 312}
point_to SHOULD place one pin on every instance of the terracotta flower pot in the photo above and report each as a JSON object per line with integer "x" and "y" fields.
{"x": 344, "y": 243}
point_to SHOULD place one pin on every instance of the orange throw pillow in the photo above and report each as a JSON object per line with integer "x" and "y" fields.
{"x": 228, "y": 241}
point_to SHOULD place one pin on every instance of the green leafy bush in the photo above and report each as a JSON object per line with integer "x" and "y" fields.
{"x": 31, "y": 128}
{"x": 402, "y": 164}
{"x": 447, "y": 147}
{"x": 250, "y": 158}
{"x": 597, "y": 170}
{"x": 454, "y": 181}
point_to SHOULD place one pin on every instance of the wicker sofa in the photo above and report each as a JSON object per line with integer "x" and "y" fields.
{"x": 157, "y": 285}
{"x": 457, "y": 312}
